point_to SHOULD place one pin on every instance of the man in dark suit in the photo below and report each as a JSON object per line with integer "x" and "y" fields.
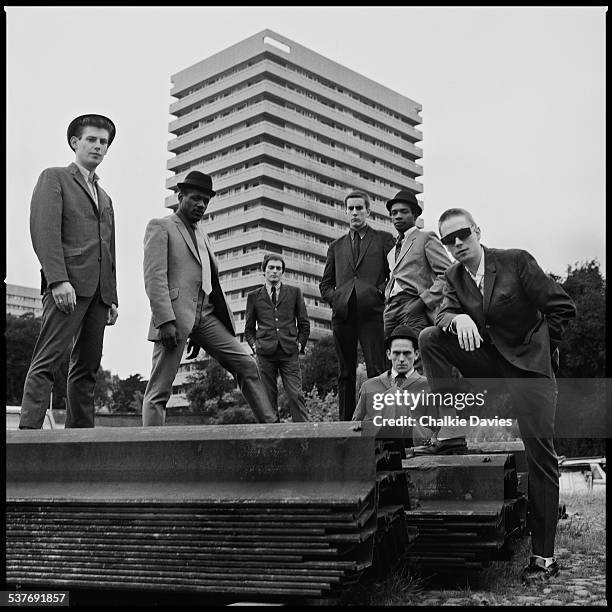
{"x": 276, "y": 328}
{"x": 356, "y": 272}
{"x": 72, "y": 226}
{"x": 502, "y": 317}
{"x": 188, "y": 306}
{"x": 417, "y": 265}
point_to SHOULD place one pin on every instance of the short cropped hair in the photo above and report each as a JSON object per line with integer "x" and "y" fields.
{"x": 270, "y": 257}
{"x": 455, "y": 212}
{"x": 97, "y": 122}
{"x": 358, "y": 194}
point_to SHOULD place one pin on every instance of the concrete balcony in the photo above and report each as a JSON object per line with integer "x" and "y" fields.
{"x": 266, "y": 68}
{"x": 290, "y": 116}
{"x": 267, "y": 128}
{"x": 267, "y": 235}
{"x": 293, "y": 97}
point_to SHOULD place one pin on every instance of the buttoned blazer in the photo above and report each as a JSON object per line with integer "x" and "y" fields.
{"x": 73, "y": 239}
{"x": 368, "y": 276}
{"x": 266, "y": 325}
{"x": 523, "y": 312}
{"x": 173, "y": 278}
{"x": 419, "y": 268}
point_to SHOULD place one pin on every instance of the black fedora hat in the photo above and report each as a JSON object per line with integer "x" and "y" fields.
{"x": 199, "y": 180}
{"x": 78, "y": 121}
{"x": 405, "y": 196}
{"x": 404, "y": 332}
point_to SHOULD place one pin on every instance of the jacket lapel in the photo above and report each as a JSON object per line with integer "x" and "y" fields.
{"x": 405, "y": 248}
{"x": 385, "y": 379}
{"x": 489, "y": 278}
{"x": 347, "y": 249}
{"x": 78, "y": 177}
{"x": 365, "y": 243}
{"x": 282, "y": 293}
{"x": 185, "y": 234}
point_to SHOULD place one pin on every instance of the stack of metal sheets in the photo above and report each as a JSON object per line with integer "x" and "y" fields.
{"x": 285, "y": 510}
{"x": 466, "y": 507}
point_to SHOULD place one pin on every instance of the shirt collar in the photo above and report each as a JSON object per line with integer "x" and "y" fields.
{"x": 361, "y": 232}
{"x": 89, "y": 175}
{"x": 269, "y": 287}
{"x": 409, "y": 232}
{"x": 394, "y": 373}
{"x": 182, "y": 217}
{"x": 481, "y": 267}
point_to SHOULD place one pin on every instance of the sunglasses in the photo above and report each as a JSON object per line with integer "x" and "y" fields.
{"x": 462, "y": 234}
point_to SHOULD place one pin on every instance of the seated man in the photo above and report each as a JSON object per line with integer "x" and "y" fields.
{"x": 393, "y": 400}
{"x": 502, "y": 318}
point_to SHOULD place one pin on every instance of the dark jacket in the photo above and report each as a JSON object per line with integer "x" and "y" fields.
{"x": 266, "y": 325}
{"x": 367, "y": 277}
{"x": 523, "y": 313}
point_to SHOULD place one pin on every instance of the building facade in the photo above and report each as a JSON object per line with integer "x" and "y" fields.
{"x": 286, "y": 133}
{"x": 21, "y": 300}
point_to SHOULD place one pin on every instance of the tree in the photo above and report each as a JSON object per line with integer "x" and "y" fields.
{"x": 127, "y": 393}
{"x": 21, "y": 333}
{"x": 103, "y": 391}
{"x": 583, "y": 350}
{"x": 210, "y": 391}
{"x": 320, "y": 367}
{"x": 581, "y": 407}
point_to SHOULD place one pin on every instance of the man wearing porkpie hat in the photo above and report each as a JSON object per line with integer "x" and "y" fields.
{"x": 392, "y": 397}
{"x": 72, "y": 226}
{"x": 188, "y": 306}
{"x": 417, "y": 265}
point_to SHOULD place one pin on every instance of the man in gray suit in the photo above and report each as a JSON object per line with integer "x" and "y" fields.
{"x": 187, "y": 304}
{"x": 417, "y": 265}
{"x": 72, "y": 226}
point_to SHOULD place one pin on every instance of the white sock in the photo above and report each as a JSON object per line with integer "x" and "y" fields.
{"x": 547, "y": 560}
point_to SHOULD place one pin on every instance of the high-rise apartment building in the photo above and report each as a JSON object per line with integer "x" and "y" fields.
{"x": 286, "y": 133}
{"x": 21, "y": 300}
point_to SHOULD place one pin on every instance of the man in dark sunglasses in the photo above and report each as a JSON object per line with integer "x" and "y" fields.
{"x": 502, "y": 317}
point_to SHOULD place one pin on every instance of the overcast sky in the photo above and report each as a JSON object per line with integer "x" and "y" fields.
{"x": 513, "y": 117}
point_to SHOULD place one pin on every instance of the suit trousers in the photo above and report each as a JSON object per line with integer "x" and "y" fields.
{"x": 84, "y": 327}
{"x": 209, "y": 333}
{"x": 369, "y": 331}
{"x": 288, "y": 366}
{"x": 405, "y": 309}
{"x": 534, "y": 404}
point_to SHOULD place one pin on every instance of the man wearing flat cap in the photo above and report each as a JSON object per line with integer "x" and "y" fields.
{"x": 188, "y": 306}
{"x": 417, "y": 264}
{"x": 72, "y": 226}
{"x": 353, "y": 284}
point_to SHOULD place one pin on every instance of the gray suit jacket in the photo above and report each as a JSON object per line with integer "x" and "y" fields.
{"x": 73, "y": 240}
{"x": 419, "y": 268}
{"x": 173, "y": 277}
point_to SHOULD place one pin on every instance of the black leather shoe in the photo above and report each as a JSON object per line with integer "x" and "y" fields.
{"x": 452, "y": 446}
{"x": 535, "y": 572}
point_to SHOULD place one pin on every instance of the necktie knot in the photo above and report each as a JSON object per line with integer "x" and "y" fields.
{"x": 398, "y": 245}
{"x": 400, "y": 378}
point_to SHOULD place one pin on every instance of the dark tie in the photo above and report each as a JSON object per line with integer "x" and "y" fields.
{"x": 356, "y": 242}
{"x": 274, "y": 295}
{"x": 398, "y": 245}
{"x": 399, "y": 379}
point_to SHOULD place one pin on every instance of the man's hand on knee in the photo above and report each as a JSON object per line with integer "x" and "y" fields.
{"x": 467, "y": 332}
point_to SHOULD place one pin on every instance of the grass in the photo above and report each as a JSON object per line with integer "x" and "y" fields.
{"x": 581, "y": 538}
